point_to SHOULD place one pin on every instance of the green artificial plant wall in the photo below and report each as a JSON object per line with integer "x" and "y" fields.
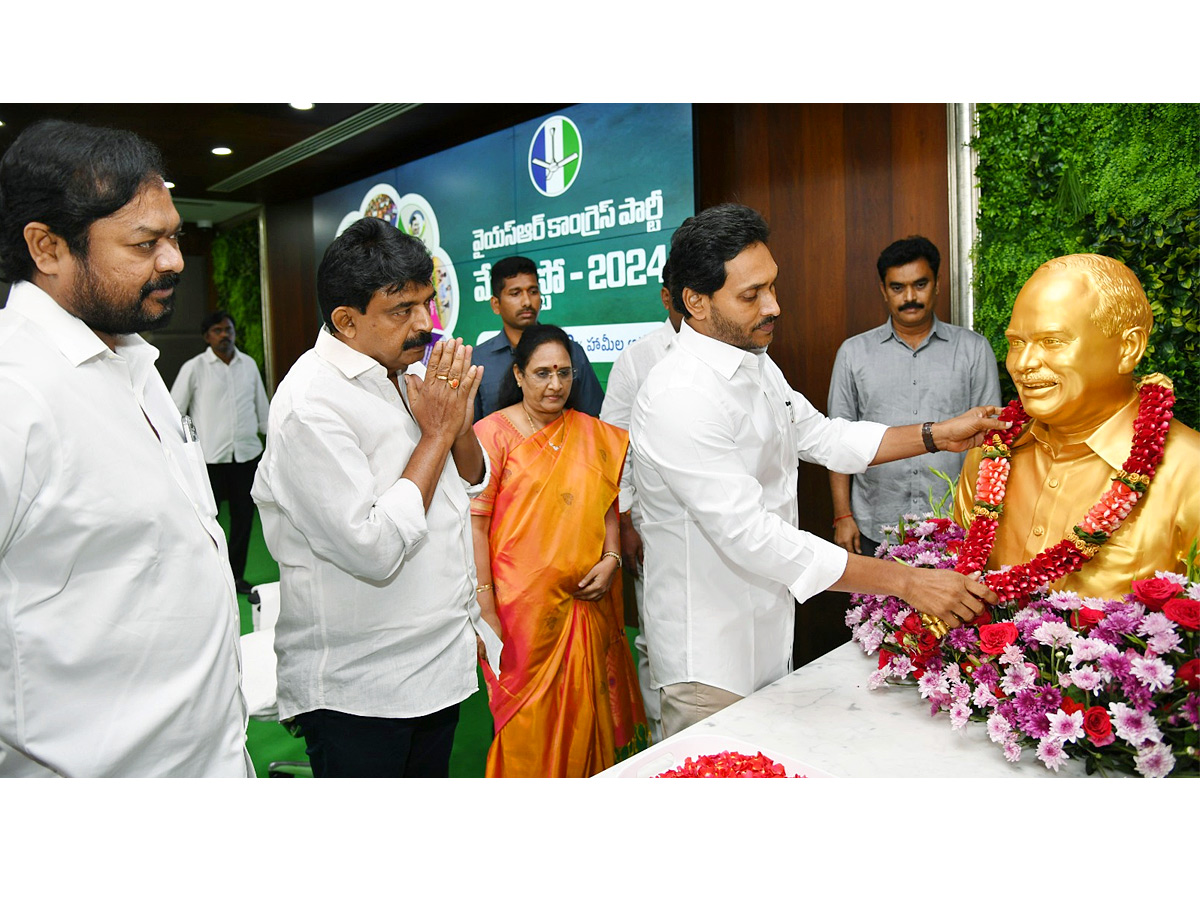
{"x": 235, "y": 265}
{"x": 1119, "y": 179}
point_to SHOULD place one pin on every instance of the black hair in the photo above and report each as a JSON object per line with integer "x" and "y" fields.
{"x": 666, "y": 275}
{"x": 903, "y": 252}
{"x": 67, "y": 176}
{"x": 706, "y": 241}
{"x": 216, "y": 318}
{"x": 532, "y": 338}
{"x": 510, "y": 267}
{"x": 369, "y": 256}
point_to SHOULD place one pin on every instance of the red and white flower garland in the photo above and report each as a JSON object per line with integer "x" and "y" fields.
{"x": 1154, "y": 415}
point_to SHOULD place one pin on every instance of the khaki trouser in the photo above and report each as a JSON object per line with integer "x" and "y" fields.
{"x": 688, "y": 702}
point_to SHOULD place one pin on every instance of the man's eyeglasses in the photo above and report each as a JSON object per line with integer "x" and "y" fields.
{"x": 541, "y": 376}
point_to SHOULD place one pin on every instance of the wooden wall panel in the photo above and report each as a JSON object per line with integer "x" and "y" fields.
{"x": 291, "y": 315}
{"x": 837, "y": 183}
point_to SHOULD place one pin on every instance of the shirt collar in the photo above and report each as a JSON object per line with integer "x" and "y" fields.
{"x": 724, "y": 359}
{"x": 1112, "y": 441}
{"x": 343, "y": 357}
{"x": 74, "y": 339}
{"x": 210, "y": 356}
{"x": 887, "y": 332}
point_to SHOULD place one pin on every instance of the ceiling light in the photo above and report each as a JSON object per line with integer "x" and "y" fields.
{"x": 300, "y": 105}
{"x": 168, "y": 184}
{"x": 221, "y": 151}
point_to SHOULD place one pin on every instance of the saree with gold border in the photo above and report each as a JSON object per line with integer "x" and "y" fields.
{"x": 566, "y": 703}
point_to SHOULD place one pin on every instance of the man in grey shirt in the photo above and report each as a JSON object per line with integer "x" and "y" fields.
{"x": 912, "y": 366}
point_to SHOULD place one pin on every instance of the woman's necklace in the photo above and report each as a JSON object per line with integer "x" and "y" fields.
{"x": 1068, "y": 555}
{"x": 553, "y": 446}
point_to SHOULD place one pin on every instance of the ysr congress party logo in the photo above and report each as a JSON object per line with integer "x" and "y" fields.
{"x": 555, "y": 154}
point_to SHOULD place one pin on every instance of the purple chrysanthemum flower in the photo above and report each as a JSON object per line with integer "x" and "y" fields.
{"x": 963, "y": 639}
{"x": 901, "y": 666}
{"x": 1191, "y": 707}
{"x": 986, "y": 674}
{"x": 1154, "y": 760}
{"x": 1018, "y": 678}
{"x": 1116, "y": 664}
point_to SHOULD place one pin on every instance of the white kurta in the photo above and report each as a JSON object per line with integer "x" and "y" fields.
{"x": 377, "y": 596}
{"x": 118, "y": 618}
{"x": 716, "y": 435}
{"x": 227, "y": 402}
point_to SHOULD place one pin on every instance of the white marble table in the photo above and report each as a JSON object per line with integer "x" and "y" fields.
{"x": 824, "y": 716}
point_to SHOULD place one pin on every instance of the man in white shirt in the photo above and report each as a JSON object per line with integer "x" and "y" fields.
{"x": 628, "y": 372}
{"x": 118, "y": 618}
{"x": 364, "y": 492}
{"x": 223, "y": 393}
{"x": 716, "y": 433}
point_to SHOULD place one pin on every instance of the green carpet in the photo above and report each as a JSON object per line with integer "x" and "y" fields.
{"x": 270, "y": 742}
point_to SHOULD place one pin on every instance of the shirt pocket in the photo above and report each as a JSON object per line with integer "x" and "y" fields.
{"x": 945, "y": 392}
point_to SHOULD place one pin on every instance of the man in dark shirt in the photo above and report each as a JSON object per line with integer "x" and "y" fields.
{"x": 516, "y": 299}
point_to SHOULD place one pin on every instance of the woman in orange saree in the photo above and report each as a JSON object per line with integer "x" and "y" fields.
{"x": 566, "y": 701}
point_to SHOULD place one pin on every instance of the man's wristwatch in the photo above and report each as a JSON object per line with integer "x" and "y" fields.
{"x": 927, "y": 437}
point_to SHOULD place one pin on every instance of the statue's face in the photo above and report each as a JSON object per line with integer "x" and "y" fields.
{"x": 1066, "y": 370}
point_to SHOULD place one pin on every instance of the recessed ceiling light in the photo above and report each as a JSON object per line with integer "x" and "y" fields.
{"x": 221, "y": 151}
{"x": 168, "y": 184}
{"x": 300, "y": 105}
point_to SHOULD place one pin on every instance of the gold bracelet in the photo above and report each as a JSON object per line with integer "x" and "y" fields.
{"x": 482, "y": 588}
{"x": 613, "y": 554}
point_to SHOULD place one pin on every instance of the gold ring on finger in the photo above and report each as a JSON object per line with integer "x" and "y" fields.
{"x": 442, "y": 377}
{"x": 454, "y": 383}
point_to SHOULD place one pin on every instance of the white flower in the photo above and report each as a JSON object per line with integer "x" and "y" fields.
{"x": 1154, "y": 760}
{"x": 901, "y": 666}
{"x": 1155, "y": 623}
{"x": 1153, "y": 673}
{"x": 1133, "y": 726}
{"x": 1164, "y": 643}
{"x": 983, "y": 697}
{"x": 1065, "y": 600}
{"x": 1012, "y": 655}
{"x": 1017, "y": 678}
{"x": 1180, "y": 580}
{"x": 1012, "y": 750}
{"x": 959, "y": 715}
{"x": 1054, "y": 634}
{"x": 1193, "y": 591}
{"x": 1086, "y": 649}
{"x": 876, "y": 679}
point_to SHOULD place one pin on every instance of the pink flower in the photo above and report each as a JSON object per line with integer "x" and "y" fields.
{"x": 1054, "y": 634}
{"x": 1066, "y": 727}
{"x": 998, "y": 728}
{"x": 1133, "y": 725}
{"x": 1012, "y": 655}
{"x": 1154, "y": 760}
{"x": 1012, "y": 750}
{"x": 1086, "y": 678}
{"x": 1018, "y": 678}
{"x": 1050, "y": 751}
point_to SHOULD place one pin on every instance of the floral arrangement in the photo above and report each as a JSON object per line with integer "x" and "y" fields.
{"x": 1115, "y": 683}
{"x": 728, "y": 764}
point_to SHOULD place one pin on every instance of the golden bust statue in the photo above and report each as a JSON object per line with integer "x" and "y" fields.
{"x": 1079, "y": 326}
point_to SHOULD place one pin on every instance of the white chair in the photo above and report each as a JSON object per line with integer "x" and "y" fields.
{"x": 258, "y": 654}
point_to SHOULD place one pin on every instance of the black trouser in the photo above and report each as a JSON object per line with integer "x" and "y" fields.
{"x": 232, "y": 481}
{"x": 340, "y": 745}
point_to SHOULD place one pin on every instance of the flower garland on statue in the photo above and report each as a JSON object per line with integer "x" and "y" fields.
{"x": 1154, "y": 415}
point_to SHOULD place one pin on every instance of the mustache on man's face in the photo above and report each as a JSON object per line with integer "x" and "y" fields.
{"x": 420, "y": 339}
{"x": 166, "y": 282}
{"x": 912, "y": 304}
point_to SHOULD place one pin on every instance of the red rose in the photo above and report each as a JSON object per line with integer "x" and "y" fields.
{"x": 953, "y": 546}
{"x": 1069, "y": 706}
{"x": 1184, "y": 612}
{"x": 942, "y": 524}
{"x": 912, "y": 623}
{"x": 926, "y": 642}
{"x": 1097, "y": 727}
{"x": 983, "y": 618}
{"x": 1154, "y": 592}
{"x": 1189, "y": 674}
{"x": 995, "y": 637}
{"x": 885, "y": 657}
{"x": 1089, "y": 617}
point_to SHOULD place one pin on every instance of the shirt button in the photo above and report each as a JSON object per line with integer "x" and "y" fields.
{"x": 914, "y": 381}
{"x": 1053, "y": 482}
{"x": 1039, "y": 530}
